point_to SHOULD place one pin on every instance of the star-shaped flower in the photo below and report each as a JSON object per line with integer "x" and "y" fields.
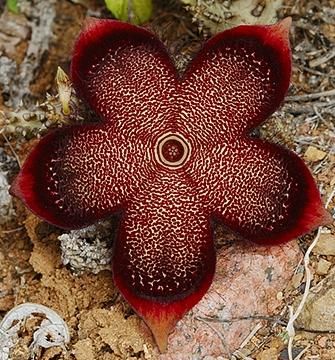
{"x": 171, "y": 154}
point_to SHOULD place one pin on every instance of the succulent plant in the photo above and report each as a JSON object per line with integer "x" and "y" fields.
{"x": 171, "y": 154}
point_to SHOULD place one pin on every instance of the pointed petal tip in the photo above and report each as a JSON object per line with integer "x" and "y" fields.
{"x": 89, "y": 22}
{"x": 285, "y": 24}
{"x": 14, "y": 189}
{"x": 319, "y": 217}
{"x": 326, "y": 218}
{"x": 282, "y": 28}
{"x": 161, "y": 328}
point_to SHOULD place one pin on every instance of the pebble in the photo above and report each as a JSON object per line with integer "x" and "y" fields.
{"x": 268, "y": 354}
{"x": 297, "y": 279}
{"x": 323, "y": 267}
{"x": 319, "y": 311}
{"x": 325, "y": 245}
{"x": 280, "y": 296}
{"x": 322, "y": 342}
{"x": 313, "y": 154}
{"x": 275, "y": 347}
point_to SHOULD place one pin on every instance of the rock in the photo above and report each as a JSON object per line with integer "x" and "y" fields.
{"x": 322, "y": 342}
{"x": 268, "y": 354}
{"x": 280, "y": 296}
{"x": 325, "y": 245}
{"x": 313, "y": 154}
{"x": 247, "y": 280}
{"x": 275, "y": 347}
{"x": 297, "y": 279}
{"x": 323, "y": 267}
{"x": 319, "y": 311}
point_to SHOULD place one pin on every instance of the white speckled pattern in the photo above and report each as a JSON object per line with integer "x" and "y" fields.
{"x": 164, "y": 247}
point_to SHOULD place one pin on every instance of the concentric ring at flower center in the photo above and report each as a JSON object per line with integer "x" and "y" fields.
{"x": 172, "y": 150}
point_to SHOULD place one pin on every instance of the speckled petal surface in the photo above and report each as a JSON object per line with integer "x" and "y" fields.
{"x": 171, "y": 154}
{"x": 237, "y": 80}
{"x": 74, "y": 176}
{"x": 126, "y": 75}
{"x": 164, "y": 256}
{"x": 271, "y": 197}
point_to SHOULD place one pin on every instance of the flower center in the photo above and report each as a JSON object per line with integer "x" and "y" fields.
{"x": 172, "y": 150}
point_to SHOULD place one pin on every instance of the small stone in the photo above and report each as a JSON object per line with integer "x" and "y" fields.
{"x": 313, "y": 154}
{"x": 325, "y": 245}
{"x": 323, "y": 267}
{"x": 318, "y": 313}
{"x": 322, "y": 342}
{"x": 275, "y": 347}
{"x": 297, "y": 280}
{"x": 268, "y": 354}
{"x": 315, "y": 351}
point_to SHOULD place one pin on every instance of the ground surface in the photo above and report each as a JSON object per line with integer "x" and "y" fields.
{"x": 102, "y": 326}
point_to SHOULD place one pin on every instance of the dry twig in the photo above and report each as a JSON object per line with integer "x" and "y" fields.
{"x": 312, "y": 96}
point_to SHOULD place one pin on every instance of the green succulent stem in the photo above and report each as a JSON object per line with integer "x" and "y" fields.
{"x": 12, "y": 6}
{"x": 134, "y": 11}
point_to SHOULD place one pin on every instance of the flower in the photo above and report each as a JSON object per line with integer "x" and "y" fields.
{"x": 171, "y": 154}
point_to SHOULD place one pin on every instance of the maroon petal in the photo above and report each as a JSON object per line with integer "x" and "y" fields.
{"x": 75, "y": 176}
{"x": 262, "y": 191}
{"x": 238, "y": 79}
{"x": 170, "y": 154}
{"x": 164, "y": 257}
{"x": 125, "y": 74}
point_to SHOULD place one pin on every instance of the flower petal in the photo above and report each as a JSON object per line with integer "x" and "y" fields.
{"x": 237, "y": 80}
{"x": 78, "y": 175}
{"x": 262, "y": 191}
{"x": 124, "y": 73}
{"x": 164, "y": 256}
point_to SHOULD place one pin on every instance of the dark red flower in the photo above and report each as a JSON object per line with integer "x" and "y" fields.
{"x": 171, "y": 154}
